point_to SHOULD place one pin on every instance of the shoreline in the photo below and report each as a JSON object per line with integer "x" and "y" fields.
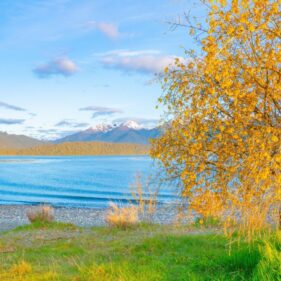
{"x": 12, "y": 216}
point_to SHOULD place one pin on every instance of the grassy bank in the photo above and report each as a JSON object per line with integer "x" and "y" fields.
{"x": 147, "y": 252}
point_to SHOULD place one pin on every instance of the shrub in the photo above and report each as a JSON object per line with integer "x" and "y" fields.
{"x": 42, "y": 214}
{"x": 122, "y": 217}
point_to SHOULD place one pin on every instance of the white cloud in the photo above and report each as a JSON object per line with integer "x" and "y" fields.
{"x": 99, "y": 111}
{"x": 144, "y": 61}
{"x": 60, "y": 66}
{"x": 71, "y": 123}
{"x": 110, "y": 30}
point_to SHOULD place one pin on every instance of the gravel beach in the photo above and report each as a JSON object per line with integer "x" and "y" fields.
{"x": 12, "y": 216}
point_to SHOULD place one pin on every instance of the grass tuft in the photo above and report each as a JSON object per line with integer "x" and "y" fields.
{"x": 122, "y": 217}
{"x": 41, "y": 214}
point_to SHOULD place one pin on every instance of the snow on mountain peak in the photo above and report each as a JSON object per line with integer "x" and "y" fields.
{"x": 132, "y": 125}
{"x": 101, "y": 128}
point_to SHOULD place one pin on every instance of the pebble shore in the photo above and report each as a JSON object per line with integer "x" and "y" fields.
{"x": 12, "y": 216}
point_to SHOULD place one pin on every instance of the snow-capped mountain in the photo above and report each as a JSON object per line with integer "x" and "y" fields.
{"x": 128, "y": 132}
{"x": 132, "y": 125}
{"x": 100, "y": 128}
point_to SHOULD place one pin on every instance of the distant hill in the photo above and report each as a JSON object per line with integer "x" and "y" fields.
{"x": 17, "y": 141}
{"x": 128, "y": 132}
{"x": 125, "y": 139}
{"x": 81, "y": 148}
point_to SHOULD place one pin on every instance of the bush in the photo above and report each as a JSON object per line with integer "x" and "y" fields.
{"x": 41, "y": 214}
{"x": 122, "y": 217}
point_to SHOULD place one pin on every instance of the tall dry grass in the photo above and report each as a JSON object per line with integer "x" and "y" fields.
{"x": 144, "y": 195}
{"x": 251, "y": 222}
{"x": 142, "y": 207}
{"x": 122, "y": 216}
{"x": 24, "y": 271}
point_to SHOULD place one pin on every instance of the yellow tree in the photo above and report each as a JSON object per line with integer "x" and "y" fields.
{"x": 223, "y": 134}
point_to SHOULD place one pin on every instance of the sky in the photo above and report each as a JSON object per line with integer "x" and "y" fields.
{"x": 67, "y": 65}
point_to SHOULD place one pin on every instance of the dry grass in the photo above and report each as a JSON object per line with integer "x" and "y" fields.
{"x": 254, "y": 221}
{"x": 145, "y": 201}
{"x": 43, "y": 214}
{"x": 123, "y": 217}
{"x": 21, "y": 269}
{"x": 24, "y": 271}
{"x": 144, "y": 196}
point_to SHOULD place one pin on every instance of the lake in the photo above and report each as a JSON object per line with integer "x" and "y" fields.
{"x": 88, "y": 181}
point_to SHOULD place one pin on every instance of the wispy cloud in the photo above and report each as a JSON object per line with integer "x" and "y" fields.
{"x": 71, "y": 123}
{"x": 11, "y": 107}
{"x": 146, "y": 61}
{"x": 60, "y": 66}
{"x": 52, "y": 134}
{"x": 110, "y": 30}
{"x": 4, "y": 121}
{"x": 101, "y": 111}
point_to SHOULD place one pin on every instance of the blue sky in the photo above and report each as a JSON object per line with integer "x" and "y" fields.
{"x": 69, "y": 64}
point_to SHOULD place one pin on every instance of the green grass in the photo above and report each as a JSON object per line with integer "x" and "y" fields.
{"x": 148, "y": 252}
{"x": 207, "y": 222}
{"x": 45, "y": 225}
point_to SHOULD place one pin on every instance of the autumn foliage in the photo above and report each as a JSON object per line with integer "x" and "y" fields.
{"x": 223, "y": 130}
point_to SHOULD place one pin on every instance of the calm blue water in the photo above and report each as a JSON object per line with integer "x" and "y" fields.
{"x": 73, "y": 181}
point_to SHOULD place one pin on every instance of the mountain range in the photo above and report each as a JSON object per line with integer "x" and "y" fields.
{"x": 8, "y": 141}
{"x": 128, "y": 132}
